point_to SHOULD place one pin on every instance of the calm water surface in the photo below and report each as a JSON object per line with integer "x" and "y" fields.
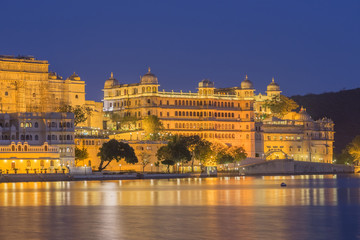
{"x": 310, "y": 207}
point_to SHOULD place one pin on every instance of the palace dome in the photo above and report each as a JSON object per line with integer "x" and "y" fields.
{"x": 149, "y": 78}
{"x": 206, "y": 83}
{"x": 75, "y": 77}
{"x": 273, "y": 86}
{"x": 111, "y": 82}
{"x": 246, "y": 84}
{"x": 303, "y": 115}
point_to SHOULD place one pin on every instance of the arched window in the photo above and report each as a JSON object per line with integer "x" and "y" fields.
{"x": 36, "y": 137}
{"x": 36, "y": 125}
{"x": 13, "y": 148}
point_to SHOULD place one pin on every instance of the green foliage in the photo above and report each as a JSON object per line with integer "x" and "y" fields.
{"x": 199, "y": 148}
{"x": 81, "y": 114}
{"x": 280, "y": 107}
{"x": 344, "y": 158}
{"x": 175, "y": 151}
{"x": 80, "y": 154}
{"x": 144, "y": 159}
{"x": 115, "y": 150}
{"x": 152, "y": 127}
{"x": 224, "y": 154}
{"x": 354, "y": 149}
{"x": 123, "y": 123}
{"x": 164, "y": 156}
{"x": 238, "y": 153}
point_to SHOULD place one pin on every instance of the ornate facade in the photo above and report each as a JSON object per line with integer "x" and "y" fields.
{"x": 36, "y": 141}
{"x": 232, "y": 116}
{"x": 28, "y": 86}
{"x": 210, "y": 113}
{"x": 299, "y": 137}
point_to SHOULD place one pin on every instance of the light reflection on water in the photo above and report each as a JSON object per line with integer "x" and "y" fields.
{"x": 238, "y": 191}
{"x": 212, "y": 208}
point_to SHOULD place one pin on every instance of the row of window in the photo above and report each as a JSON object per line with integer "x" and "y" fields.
{"x": 61, "y": 137}
{"x": 25, "y": 148}
{"x": 22, "y": 137}
{"x": 205, "y": 114}
{"x": 215, "y": 135}
{"x": 125, "y": 103}
{"x": 61, "y": 124}
{"x": 88, "y": 142}
{"x": 206, "y": 126}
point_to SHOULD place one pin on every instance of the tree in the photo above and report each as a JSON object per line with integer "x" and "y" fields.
{"x": 280, "y": 107}
{"x": 238, "y": 153}
{"x": 81, "y": 114}
{"x": 123, "y": 123}
{"x": 354, "y": 149}
{"x": 144, "y": 159}
{"x": 174, "y": 152}
{"x": 223, "y": 154}
{"x": 157, "y": 165}
{"x": 152, "y": 127}
{"x": 200, "y": 149}
{"x": 179, "y": 151}
{"x": 164, "y": 156}
{"x": 80, "y": 155}
{"x": 115, "y": 150}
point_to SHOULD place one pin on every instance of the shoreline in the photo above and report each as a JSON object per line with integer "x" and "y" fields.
{"x": 60, "y": 177}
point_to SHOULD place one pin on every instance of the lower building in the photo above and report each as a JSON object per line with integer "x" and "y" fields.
{"x": 299, "y": 137}
{"x": 36, "y": 142}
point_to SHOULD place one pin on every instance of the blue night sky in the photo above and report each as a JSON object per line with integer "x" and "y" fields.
{"x": 308, "y": 46}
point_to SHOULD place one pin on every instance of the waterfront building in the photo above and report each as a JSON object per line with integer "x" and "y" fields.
{"x": 299, "y": 137}
{"x": 211, "y": 113}
{"x": 36, "y": 141}
{"x": 141, "y": 148}
{"x": 28, "y": 86}
{"x": 232, "y": 116}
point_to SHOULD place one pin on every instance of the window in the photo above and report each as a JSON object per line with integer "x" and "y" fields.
{"x": 6, "y": 93}
{"x": 36, "y": 124}
{"x": 76, "y": 96}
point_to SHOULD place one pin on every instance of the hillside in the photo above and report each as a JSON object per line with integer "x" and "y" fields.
{"x": 342, "y": 107}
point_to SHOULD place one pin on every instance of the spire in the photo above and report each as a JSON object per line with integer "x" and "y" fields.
{"x": 273, "y": 80}
{"x": 112, "y": 75}
{"x": 246, "y": 77}
{"x": 149, "y": 70}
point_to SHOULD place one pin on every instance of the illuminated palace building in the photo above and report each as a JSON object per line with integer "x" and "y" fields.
{"x": 226, "y": 115}
{"x": 36, "y": 141}
{"x": 32, "y": 134}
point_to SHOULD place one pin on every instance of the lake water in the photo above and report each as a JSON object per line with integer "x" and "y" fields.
{"x": 310, "y": 207}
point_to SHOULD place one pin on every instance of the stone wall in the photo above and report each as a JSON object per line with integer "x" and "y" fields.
{"x": 289, "y": 166}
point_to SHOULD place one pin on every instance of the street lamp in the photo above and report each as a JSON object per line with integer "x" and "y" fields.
{"x": 120, "y": 167}
{"x": 151, "y": 166}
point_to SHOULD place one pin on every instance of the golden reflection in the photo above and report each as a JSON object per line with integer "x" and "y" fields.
{"x": 237, "y": 191}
